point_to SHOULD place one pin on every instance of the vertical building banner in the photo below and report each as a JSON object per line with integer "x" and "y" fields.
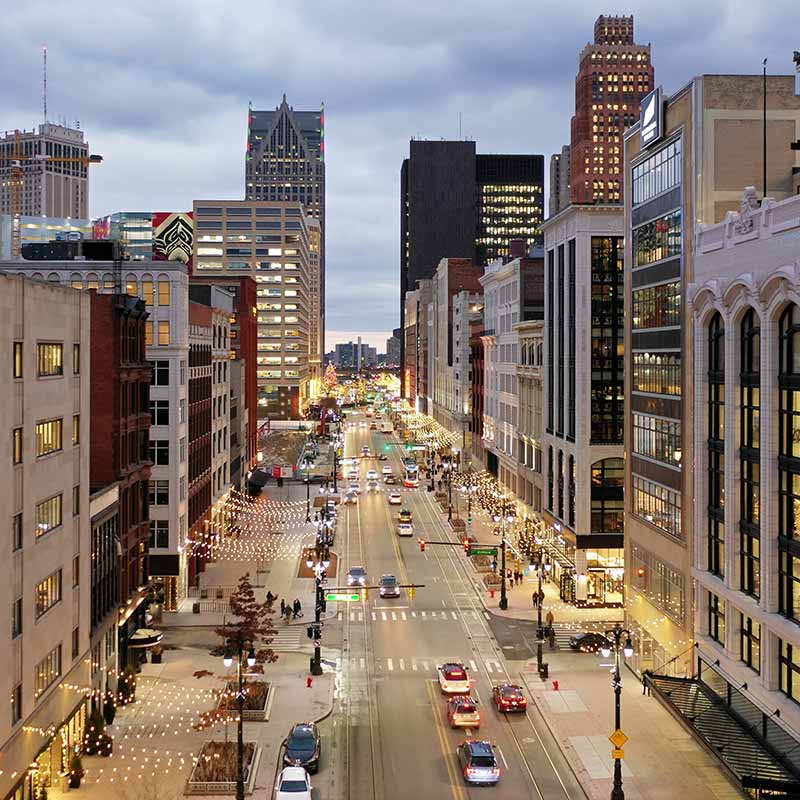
{"x": 173, "y": 237}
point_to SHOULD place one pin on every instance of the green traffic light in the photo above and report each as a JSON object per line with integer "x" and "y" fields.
{"x": 387, "y": 447}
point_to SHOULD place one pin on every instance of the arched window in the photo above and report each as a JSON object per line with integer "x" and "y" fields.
{"x": 749, "y": 455}
{"x": 108, "y": 280}
{"x": 608, "y": 479}
{"x": 716, "y": 445}
{"x": 92, "y": 281}
{"x": 54, "y": 277}
{"x": 789, "y": 463}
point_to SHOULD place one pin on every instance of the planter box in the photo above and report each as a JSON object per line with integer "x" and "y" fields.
{"x": 227, "y": 786}
{"x": 458, "y": 524}
{"x": 250, "y": 714}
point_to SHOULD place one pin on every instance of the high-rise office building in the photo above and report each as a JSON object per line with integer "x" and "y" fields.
{"x": 285, "y": 162}
{"x": 53, "y": 188}
{"x": 559, "y": 181}
{"x": 614, "y": 75}
{"x": 457, "y": 204}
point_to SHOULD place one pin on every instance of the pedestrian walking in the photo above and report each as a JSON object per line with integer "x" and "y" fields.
{"x": 551, "y": 636}
{"x": 541, "y": 597}
{"x": 283, "y": 607}
{"x": 288, "y": 613}
{"x": 549, "y": 619}
{"x": 270, "y": 600}
{"x": 535, "y": 599}
{"x": 298, "y": 612}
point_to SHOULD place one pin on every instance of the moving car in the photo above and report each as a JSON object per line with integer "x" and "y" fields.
{"x": 365, "y": 450}
{"x": 293, "y": 784}
{"x": 405, "y": 515}
{"x": 389, "y": 587}
{"x": 395, "y": 498}
{"x": 356, "y": 576}
{"x": 354, "y": 486}
{"x": 373, "y": 426}
{"x": 302, "y": 747}
{"x": 383, "y": 457}
{"x": 509, "y": 697}
{"x": 351, "y": 498}
{"x": 462, "y": 712}
{"x": 372, "y": 475}
{"x": 478, "y": 762}
{"x": 373, "y": 486}
{"x": 390, "y": 480}
{"x": 453, "y": 678}
{"x": 352, "y": 475}
{"x": 589, "y": 642}
{"x": 386, "y": 469}
{"x": 405, "y": 529}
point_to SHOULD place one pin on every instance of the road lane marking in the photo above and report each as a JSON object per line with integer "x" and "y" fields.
{"x": 402, "y": 665}
{"x": 455, "y": 783}
{"x": 374, "y": 616}
{"x": 503, "y": 758}
{"x": 414, "y": 665}
{"x": 455, "y": 616}
{"x": 394, "y": 615}
{"x": 403, "y": 614}
{"x": 414, "y": 614}
{"x": 339, "y": 615}
{"x": 383, "y": 616}
{"x": 423, "y": 614}
{"x": 362, "y": 663}
{"x": 360, "y": 616}
{"x": 473, "y": 666}
{"x": 390, "y": 664}
{"x": 352, "y": 616}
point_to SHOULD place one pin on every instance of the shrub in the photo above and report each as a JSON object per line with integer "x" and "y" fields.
{"x": 109, "y": 709}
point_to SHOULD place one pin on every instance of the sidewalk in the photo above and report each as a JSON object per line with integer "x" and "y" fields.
{"x": 155, "y": 745}
{"x": 662, "y": 760}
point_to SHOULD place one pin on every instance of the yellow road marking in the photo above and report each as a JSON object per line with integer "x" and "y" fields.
{"x": 455, "y": 782}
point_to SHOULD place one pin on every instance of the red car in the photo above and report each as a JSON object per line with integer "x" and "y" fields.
{"x": 509, "y": 697}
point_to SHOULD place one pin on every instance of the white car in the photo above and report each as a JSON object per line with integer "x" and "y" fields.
{"x": 405, "y": 529}
{"x": 372, "y": 475}
{"x": 395, "y": 499}
{"x": 293, "y": 784}
{"x": 352, "y": 475}
{"x": 386, "y": 470}
{"x": 453, "y": 678}
{"x": 354, "y": 486}
{"x": 373, "y": 486}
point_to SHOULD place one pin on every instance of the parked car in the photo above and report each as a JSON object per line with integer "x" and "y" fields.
{"x": 293, "y": 784}
{"x": 589, "y": 642}
{"x": 478, "y": 762}
{"x": 302, "y": 747}
{"x": 462, "y": 712}
{"x": 509, "y": 697}
{"x": 389, "y": 587}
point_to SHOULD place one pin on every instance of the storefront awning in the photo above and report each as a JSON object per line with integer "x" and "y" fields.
{"x": 145, "y": 637}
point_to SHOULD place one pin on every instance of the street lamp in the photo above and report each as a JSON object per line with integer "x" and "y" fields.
{"x": 237, "y": 647}
{"x": 503, "y": 517}
{"x": 319, "y": 563}
{"x": 547, "y": 566}
{"x": 447, "y": 466}
{"x": 307, "y": 465}
{"x": 615, "y": 636}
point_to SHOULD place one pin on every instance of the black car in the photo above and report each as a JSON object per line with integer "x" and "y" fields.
{"x": 302, "y": 747}
{"x": 589, "y": 642}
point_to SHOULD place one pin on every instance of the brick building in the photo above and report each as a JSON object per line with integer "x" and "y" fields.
{"x": 614, "y": 74}
{"x": 121, "y": 413}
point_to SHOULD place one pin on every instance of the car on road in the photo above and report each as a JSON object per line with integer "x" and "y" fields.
{"x": 462, "y": 712}
{"x": 389, "y": 587}
{"x": 354, "y": 486}
{"x": 373, "y": 426}
{"x": 509, "y": 697}
{"x": 365, "y": 450}
{"x": 395, "y": 499}
{"x": 356, "y": 576}
{"x": 390, "y": 480}
{"x": 303, "y": 746}
{"x": 405, "y": 529}
{"x": 372, "y": 475}
{"x": 478, "y": 762}
{"x": 362, "y": 424}
{"x": 351, "y": 498}
{"x": 453, "y": 678}
{"x": 373, "y": 486}
{"x": 405, "y": 515}
{"x": 293, "y": 784}
{"x": 386, "y": 469}
{"x": 589, "y": 642}
{"x": 383, "y": 457}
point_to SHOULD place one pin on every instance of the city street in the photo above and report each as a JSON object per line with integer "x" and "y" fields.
{"x": 389, "y": 732}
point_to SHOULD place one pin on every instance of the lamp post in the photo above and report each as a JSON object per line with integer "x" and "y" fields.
{"x": 447, "y": 466}
{"x": 319, "y": 563}
{"x": 615, "y": 636}
{"x": 547, "y": 566}
{"x": 237, "y": 646}
{"x": 307, "y": 465}
{"x": 504, "y": 516}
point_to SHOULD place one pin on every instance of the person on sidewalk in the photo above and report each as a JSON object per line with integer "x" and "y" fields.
{"x": 283, "y": 607}
{"x": 535, "y": 598}
{"x": 551, "y": 636}
{"x": 296, "y": 608}
{"x": 270, "y": 600}
{"x": 541, "y": 597}
{"x": 549, "y": 618}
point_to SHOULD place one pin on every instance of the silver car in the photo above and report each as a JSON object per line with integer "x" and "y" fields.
{"x": 356, "y": 576}
{"x": 389, "y": 587}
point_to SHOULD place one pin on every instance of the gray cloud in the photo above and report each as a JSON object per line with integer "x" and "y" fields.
{"x": 162, "y": 90}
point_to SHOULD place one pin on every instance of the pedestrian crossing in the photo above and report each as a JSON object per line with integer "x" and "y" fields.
{"x": 387, "y": 615}
{"x": 423, "y": 667}
{"x": 289, "y": 637}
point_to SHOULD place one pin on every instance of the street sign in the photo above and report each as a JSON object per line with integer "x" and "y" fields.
{"x": 617, "y": 754}
{"x": 346, "y": 598}
{"x": 618, "y": 738}
{"x": 484, "y": 551}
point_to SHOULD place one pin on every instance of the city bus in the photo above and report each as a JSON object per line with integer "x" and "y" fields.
{"x": 411, "y": 475}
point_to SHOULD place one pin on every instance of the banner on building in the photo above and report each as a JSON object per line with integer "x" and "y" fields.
{"x": 173, "y": 237}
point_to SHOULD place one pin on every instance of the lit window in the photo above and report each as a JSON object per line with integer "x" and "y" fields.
{"x": 48, "y": 593}
{"x": 17, "y": 359}
{"x": 163, "y": 294}
{"x": 48, "y": 436}
{"x": 50, "y": 359}
{"x": 48, "y": 515}
{"x": 17, "y": 446}
{"x": 163, "y": 329}
{"x": 147, "y": 292}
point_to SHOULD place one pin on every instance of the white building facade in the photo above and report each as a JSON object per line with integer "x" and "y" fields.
{"x": 745, "y": 304}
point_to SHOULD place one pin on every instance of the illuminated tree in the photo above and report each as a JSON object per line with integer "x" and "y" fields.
{"x": 329, "y": 379}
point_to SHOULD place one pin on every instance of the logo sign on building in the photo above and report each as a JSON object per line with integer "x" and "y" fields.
{"x": 651, "y": 118}
{"x": 173, "y": 237}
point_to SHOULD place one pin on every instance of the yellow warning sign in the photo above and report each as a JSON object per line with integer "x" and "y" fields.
{"x": 615, "y": 753}
{"x": 618, "y": 739}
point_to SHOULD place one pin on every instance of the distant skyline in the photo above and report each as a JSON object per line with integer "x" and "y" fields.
{"x": 172, "y": 127}
{"x": 376, "y": 339}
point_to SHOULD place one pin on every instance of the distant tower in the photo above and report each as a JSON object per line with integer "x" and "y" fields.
{"x": 614, "y": 75}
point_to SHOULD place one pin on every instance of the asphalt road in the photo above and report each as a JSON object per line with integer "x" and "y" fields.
{"x": 388, "y": 738}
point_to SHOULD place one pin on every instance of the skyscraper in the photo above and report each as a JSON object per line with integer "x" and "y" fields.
{"x": 614, "y": 75}
{"x": 285, "y": 161}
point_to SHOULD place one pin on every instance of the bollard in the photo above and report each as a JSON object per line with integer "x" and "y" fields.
{"x": 309, "y": 681}
{"x": 555, "y": 685}
{"x": 491, "y": 593}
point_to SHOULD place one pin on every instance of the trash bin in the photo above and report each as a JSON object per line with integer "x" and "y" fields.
{"x": 195, "y": 608}
{"x": 544, "y": 670}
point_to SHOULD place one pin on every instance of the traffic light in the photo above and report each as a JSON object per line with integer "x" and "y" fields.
{"x": 467, "y": 547}
{"x": 422, "y": 545}
{"x": 408, "y": 445}
{"x": 387, "y": 448}
{"x": 310, "y": 631}
{"x": 494, "y": 565}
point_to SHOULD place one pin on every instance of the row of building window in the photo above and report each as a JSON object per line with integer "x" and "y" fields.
{"x": 658, "y": 239}
{"x": 657, "y": 306}
{"x": 163, "y": 338}
{"x": 49, "y": 359}
{"x": 658, "y": 505}
{"x": 49, "y": 438}
{"x": 661, "y": 583}
{"x": 657, "y": 438}
{"x": 657, "y": 373}
{"x": 657, "y": 174}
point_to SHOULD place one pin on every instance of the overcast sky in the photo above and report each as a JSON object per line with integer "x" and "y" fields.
{"x": 161, "y": 90}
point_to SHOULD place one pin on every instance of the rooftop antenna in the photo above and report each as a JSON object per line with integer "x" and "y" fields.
{"x": 44, "y": 81}
{"x": 764, "y": 128}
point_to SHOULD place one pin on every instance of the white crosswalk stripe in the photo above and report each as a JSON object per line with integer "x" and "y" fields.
{"x": 424, "y": 666}
{"x": 289, "y": 637}
{"x": 403, "y": 614}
